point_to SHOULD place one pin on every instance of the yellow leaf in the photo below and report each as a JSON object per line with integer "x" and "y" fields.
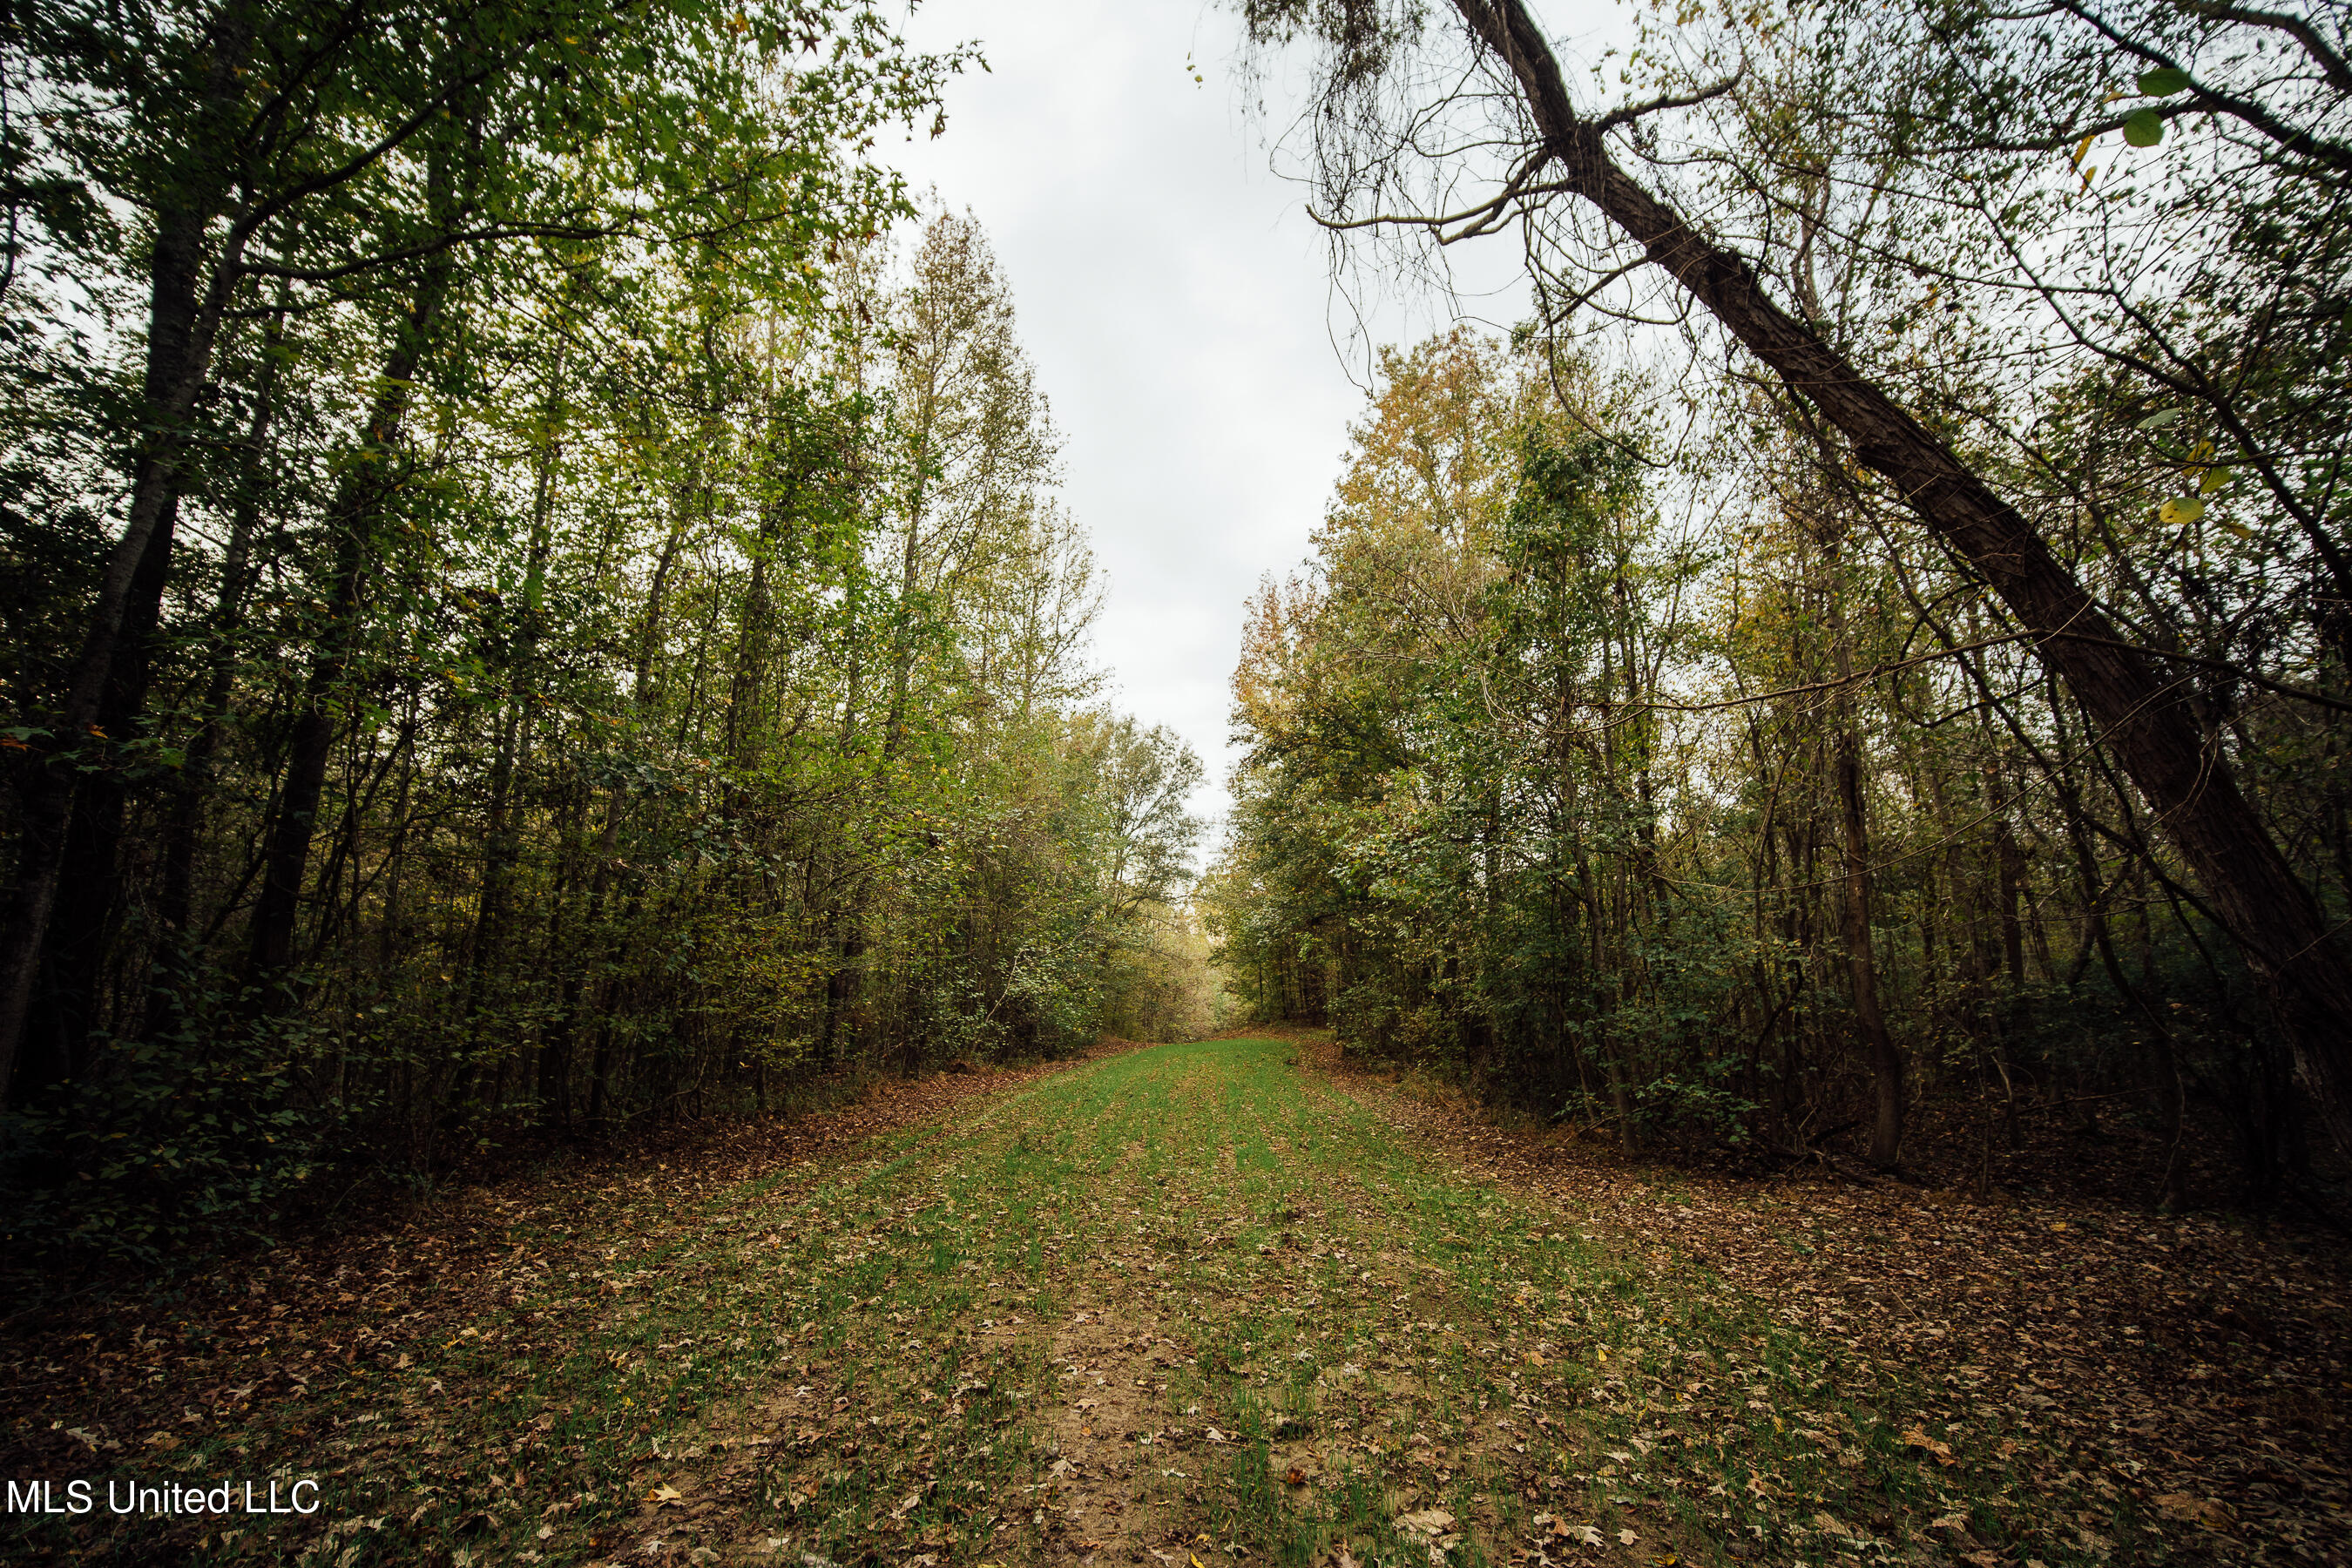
{"x": 2181, "y": 512}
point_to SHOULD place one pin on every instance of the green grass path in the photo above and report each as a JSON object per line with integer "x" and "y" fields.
{"x": 1190, "y": 1302}
{"x": 1193, "y": 1303}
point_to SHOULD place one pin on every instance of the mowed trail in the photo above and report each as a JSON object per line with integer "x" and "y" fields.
{"x": 1194, "y": 1304}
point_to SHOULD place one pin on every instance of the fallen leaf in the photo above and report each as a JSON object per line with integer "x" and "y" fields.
{"x": 1626, "y": 1538}
{"x": 1915, "y": 1438}
{"x": 661, "y": 1496}
{"x": 2189, "y": 1510}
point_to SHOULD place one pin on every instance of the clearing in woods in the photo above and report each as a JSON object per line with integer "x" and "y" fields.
{"x": 1190, "y": 1304}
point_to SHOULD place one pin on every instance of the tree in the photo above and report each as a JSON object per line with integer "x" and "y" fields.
{"x": 1377, "y": 78}
{"x": 258, "y": 144}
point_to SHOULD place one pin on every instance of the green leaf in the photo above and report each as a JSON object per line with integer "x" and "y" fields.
{"x": 2158, "y": 421}
{"x": 2165, "y": 82}
{"x": 2145, "y": 128}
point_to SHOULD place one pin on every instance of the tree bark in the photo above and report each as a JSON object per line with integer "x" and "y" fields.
{"x": 2142, "y": 716}
{"x": 599, "y": 943}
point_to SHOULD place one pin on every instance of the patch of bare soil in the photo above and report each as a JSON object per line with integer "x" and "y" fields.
{"x": 1108, "y": 1363}
{"x": 2183, "y": 1366}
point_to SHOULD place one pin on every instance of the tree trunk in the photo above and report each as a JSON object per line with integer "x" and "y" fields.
{"x": 1861, "y": 960}
{"x": 597, "y": 941}
{"x": 184, "y": 313}
{"x": 183, "y": 824}
{"x": 2143, "y": 717}
{"x": 353, "y": 524}
{"x": 1861, "y": 967}
{"x": 83, "y": 925}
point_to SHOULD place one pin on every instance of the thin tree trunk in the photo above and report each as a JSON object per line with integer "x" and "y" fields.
{"x": 641, "y": 693}
{"x": 353, "y": 525}
{"x": 1861, "y": 960}
{"x": 184, "y": 826}
{"x": 502, "y": 841}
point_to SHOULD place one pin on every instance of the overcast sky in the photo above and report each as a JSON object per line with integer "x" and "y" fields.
{"x": 1175, "y": 300}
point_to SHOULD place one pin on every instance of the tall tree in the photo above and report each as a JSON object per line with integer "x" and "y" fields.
{"x": 1373, "y": 86}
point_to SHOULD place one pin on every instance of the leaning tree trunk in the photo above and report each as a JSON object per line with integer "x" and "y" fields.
{"x": 2143, "y": 717}
{"x": 184, "y": 308}
{"x": 353, "y": 523}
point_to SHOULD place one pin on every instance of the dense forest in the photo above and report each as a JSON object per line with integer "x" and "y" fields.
{"x": 594, "y": 969}
{"x": 1879, "y": 635}
{"x": 536, "y": 597}
{"x": 535, "y": 600}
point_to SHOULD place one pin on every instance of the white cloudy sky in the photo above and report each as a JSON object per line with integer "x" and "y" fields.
{"x": 1174, "y": 297}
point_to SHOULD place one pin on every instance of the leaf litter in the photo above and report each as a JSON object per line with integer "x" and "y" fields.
{"x": 1193, "y": 1304}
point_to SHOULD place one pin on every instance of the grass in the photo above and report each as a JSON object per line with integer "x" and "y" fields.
{"x": 1188, "y": 1303}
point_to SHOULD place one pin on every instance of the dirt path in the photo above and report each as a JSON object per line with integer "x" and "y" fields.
{"x": 1206, "y": 1304}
